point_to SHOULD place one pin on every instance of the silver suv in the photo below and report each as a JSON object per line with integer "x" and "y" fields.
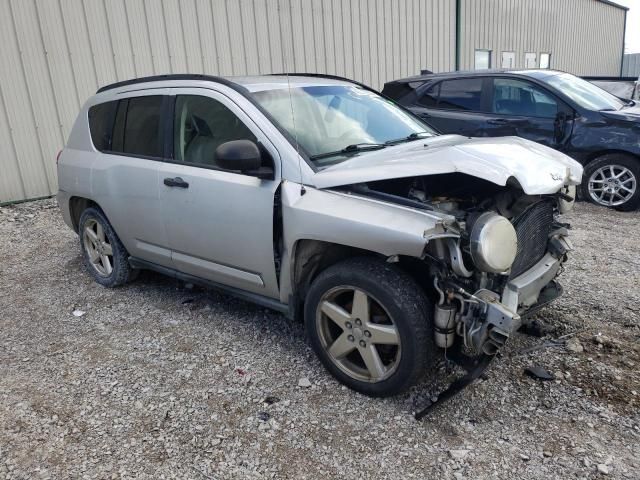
{"x": 317, "y": 197}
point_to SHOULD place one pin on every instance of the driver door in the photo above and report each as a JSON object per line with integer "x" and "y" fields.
{"x": 219, "y": 222}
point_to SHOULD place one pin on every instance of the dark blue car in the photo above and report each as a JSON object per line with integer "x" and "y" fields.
{"x": 554, "y": 108}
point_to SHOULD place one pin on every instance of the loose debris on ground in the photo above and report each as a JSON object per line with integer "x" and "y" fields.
{"x": 162, "y": 380}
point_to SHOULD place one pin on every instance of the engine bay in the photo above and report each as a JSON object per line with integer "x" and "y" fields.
{"x": 457, "y": 194}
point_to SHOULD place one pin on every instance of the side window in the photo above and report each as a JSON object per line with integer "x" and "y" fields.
{"x": 429, "y": 98}
{"x": 137, "y": 127}
{"x": 201, "y": 124}
{"x": 101, "y": 119}
{"x": 518, "y": 97}
{"x": 461, "y": 94}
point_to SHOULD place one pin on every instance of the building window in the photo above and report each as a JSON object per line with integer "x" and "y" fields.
{"x": 483, "y": 59}
{"x": 508, "y": 60}
{"x": 545, "y": 60}
{"x": 530, "y": 60}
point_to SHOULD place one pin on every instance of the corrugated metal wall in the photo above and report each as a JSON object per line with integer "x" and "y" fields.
{"x": 584, "y": 37}
{"x": 631, "y": 65}
{"x": 56, "y": 53}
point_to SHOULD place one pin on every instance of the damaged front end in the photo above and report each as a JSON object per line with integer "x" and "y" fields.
{"x": 498, "y": 261}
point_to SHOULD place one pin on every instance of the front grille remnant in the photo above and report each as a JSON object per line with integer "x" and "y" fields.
{"x": 532, "y": 228}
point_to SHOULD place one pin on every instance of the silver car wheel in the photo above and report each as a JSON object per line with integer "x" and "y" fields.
{"x": 358, "y": 334}
{"x": 98, "y": 248}
{"x": 612, "y": 185}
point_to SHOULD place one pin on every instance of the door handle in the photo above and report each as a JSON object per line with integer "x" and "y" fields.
{"x": 497, "y": 121}
{"x": 176, "y": 182}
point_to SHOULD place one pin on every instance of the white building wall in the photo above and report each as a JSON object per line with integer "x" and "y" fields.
{"x": 584, "y": 37}
{"x": 54, "y": 54}
{"x": 631, "y": 65}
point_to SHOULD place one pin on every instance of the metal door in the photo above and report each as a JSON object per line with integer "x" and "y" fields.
{"x": 219, "y": 222}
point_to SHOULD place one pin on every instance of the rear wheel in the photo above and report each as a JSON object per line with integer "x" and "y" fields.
{"x": 612, "y": 180}
{"x": 104, "y": 256}
{"x": 370, "y": 325}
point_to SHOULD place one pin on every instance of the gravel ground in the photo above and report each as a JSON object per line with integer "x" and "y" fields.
{"x": 156, "y": 380}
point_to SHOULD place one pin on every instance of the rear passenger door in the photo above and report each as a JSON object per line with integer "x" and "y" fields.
{"x": 454, "y": 106}
{"x": 219, "y": 222}
{"x": 128, "y": 133}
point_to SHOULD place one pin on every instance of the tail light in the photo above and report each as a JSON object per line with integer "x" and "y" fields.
{"x": 58, "y": 157}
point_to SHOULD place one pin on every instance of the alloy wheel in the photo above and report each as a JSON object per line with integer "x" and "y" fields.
{"x": 358, "y": 334}
{"x": 98, "y": 248}
{"x": 612, "y": 185}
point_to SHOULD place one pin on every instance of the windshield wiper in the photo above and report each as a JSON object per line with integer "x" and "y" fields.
{"x": 409, "y": 138}
{"x": 355, "y": 148}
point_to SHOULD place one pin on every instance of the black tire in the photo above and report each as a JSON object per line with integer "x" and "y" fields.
{"x": 627, "y": 161}
{"x": 406, "y": 304}
{"x": 121, "y": 272}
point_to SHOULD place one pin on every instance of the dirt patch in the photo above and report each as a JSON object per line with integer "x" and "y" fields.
{"x": 156, "y": 380}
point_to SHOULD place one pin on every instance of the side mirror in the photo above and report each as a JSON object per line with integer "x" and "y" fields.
{"x": 241, "y": 155}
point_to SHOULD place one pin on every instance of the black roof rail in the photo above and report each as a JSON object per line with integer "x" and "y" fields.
{"x": 172, "y": 76}
{"x": 612, "y": 79}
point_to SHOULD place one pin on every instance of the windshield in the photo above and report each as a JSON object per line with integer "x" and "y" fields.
{"x": 335, "y": 122}
{"x": 584, "y": 93}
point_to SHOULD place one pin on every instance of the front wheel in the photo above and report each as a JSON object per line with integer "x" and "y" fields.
{"x": 612, "y": 181}
{"x": 370, "y": 325}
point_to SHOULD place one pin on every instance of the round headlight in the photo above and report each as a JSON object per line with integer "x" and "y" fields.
{"x": 494, "y": 243}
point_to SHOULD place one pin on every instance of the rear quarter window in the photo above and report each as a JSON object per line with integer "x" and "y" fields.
{"x": 101, "y": 119}
{"x": 398, "y": 91}
{"x": 429, "y": 98}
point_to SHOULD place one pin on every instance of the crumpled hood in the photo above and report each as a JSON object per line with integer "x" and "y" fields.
{"x": 539, "y": 170}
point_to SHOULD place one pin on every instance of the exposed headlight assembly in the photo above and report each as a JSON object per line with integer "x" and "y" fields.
{"x": 493, "y": 243}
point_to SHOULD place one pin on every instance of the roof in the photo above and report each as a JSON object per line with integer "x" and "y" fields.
{"x": 260, "y": 83}
{"x": 255, "y": 83}
{"x": 614, "y": 4}
{"x": 534, "y": 73}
